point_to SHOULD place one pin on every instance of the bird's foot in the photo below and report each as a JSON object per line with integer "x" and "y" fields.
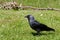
{"x": 36, "y": 34}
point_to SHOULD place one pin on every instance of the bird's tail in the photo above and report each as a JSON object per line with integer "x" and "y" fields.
{"x": 50, "y": 29}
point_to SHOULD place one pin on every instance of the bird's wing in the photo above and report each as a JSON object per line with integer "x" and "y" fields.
{"x": 36, "y": 23}
{"x": 40, "y": 24}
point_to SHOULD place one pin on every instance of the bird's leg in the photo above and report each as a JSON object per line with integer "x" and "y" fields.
{"x": 38, "y": 32}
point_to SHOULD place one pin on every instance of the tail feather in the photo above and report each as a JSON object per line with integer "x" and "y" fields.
{"x": 50, "y": 29}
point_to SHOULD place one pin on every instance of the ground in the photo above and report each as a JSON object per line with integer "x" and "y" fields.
{"x": 13, "y": 25}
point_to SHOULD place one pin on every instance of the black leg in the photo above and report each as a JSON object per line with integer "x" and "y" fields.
{"x": 38, "y": 32}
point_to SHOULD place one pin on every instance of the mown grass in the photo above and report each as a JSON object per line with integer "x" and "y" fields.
{"x": 13, "y": 25}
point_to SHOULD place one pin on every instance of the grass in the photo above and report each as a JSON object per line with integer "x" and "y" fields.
{"x": 13, "y": 25}
{"x": 42, "y": 3}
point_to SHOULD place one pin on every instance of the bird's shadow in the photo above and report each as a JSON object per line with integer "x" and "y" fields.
{"x": 40, "y": 34}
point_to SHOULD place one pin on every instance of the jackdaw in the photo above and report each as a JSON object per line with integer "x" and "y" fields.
{"x": 35, "y": 25}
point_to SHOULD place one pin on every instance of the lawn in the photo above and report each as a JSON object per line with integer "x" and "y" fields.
{"x": 13, "y": 25}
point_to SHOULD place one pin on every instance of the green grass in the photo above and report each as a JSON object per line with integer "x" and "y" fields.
{"x": 13, "y": 25}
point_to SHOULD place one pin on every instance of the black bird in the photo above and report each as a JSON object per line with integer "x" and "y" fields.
{"x": 35, "y": 25}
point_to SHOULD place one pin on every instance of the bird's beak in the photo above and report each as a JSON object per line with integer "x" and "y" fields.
{"x": 25, "y": 16}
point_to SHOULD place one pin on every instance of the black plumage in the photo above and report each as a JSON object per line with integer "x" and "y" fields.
{"x": 35, "y": 25}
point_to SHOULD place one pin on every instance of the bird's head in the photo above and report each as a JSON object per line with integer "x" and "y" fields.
{"x": 29, "y": 17}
